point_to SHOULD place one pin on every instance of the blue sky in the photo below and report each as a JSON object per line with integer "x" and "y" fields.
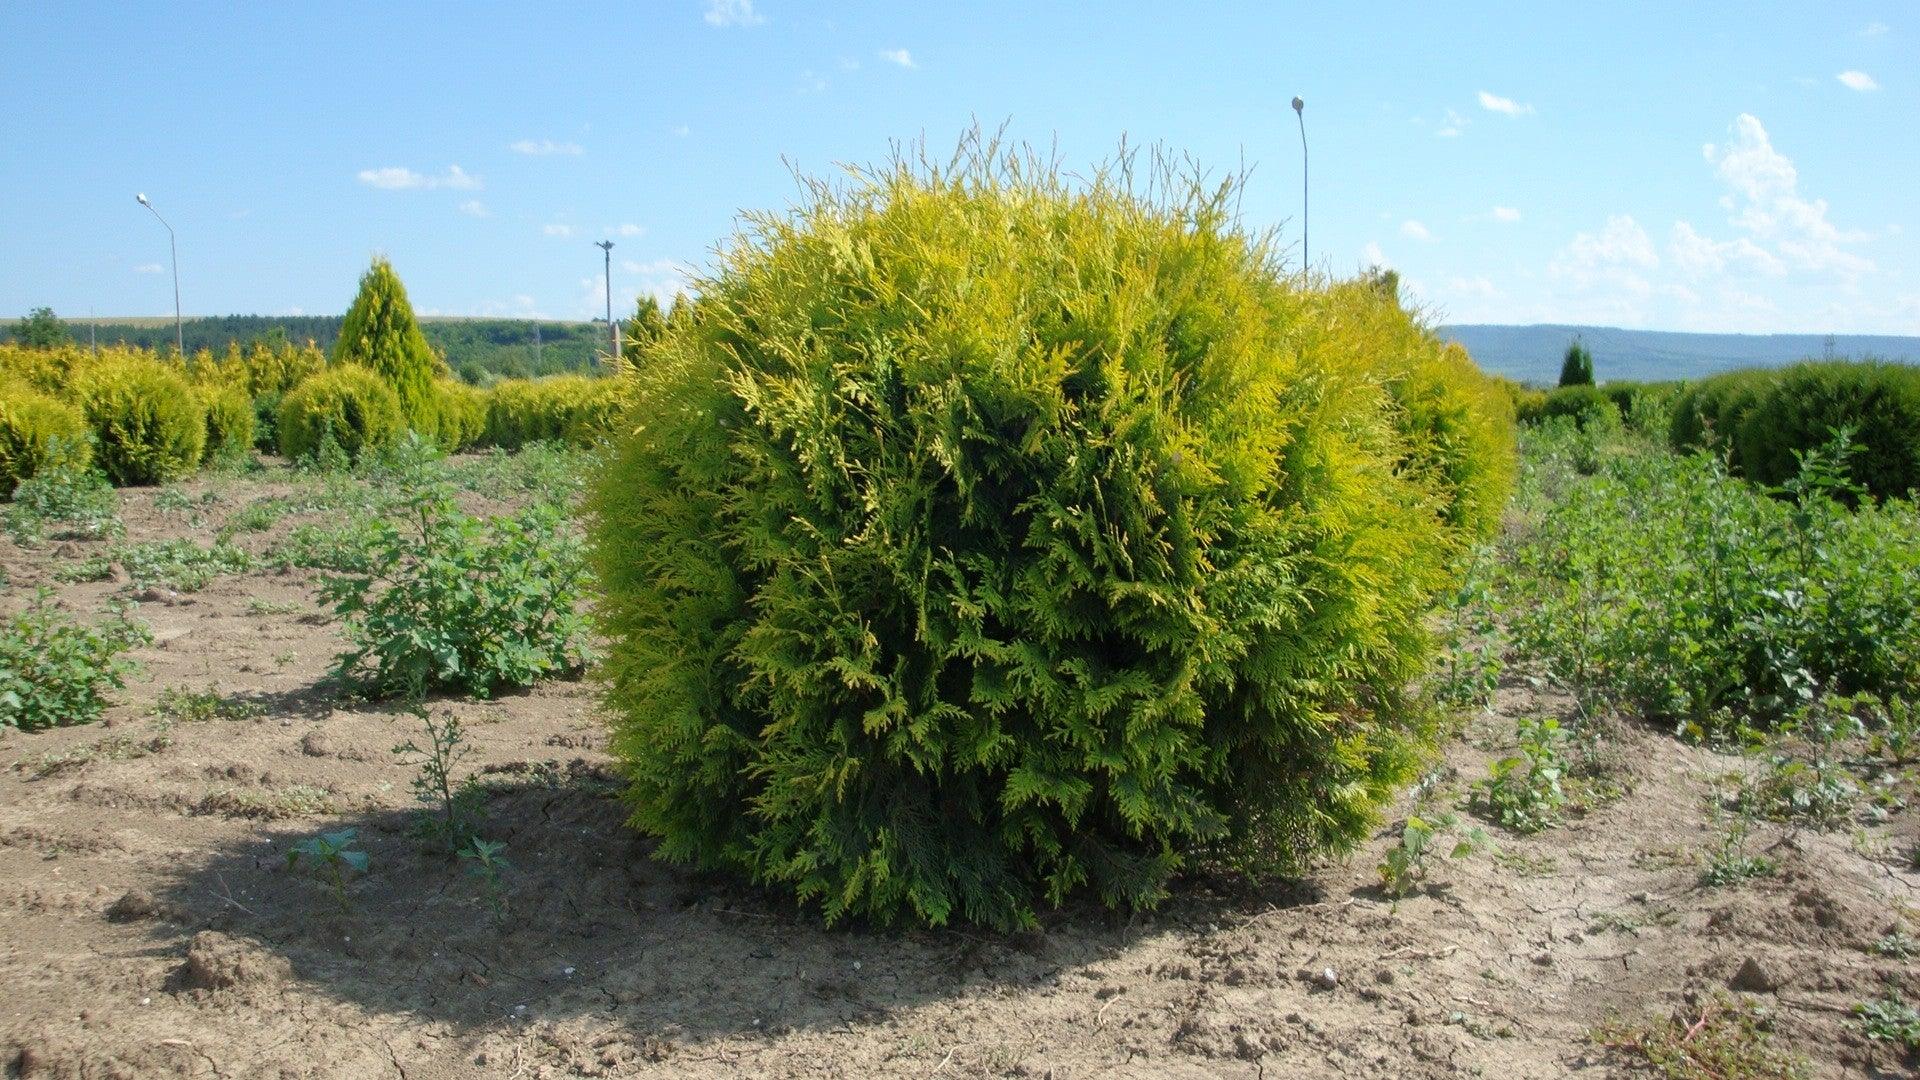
{"x": 1754, "y": 170}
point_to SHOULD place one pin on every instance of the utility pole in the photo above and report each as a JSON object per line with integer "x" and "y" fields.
{"x": 179, "y": 339}
{"x": 1300, "y": 113}
{"x": 613, "y": 332}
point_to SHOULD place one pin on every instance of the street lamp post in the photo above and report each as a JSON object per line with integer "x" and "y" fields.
{"x": 173, "y": 249}
{"x": 613, "y": 331}
{"x": 1300, "y": 113}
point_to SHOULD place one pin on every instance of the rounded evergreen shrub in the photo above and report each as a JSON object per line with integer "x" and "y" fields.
{"x": 149, "y": 425}
{"x": 230, "y": 422}
{"x": 1709, "y": 411}
{"x": 33, "y": 428}
{"x": 992, "y": 539}
{"x": 349, "y": 402}
{"x": 1804, "y": 404}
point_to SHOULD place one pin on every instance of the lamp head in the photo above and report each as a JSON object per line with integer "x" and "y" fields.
{"x": 142, "y": 198}
{"x": 1298, "y": 104}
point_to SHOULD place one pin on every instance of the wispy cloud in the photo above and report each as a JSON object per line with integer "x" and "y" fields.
{"x": 733, "y": 13}
{"x": 545, "y": 148}
{"x": 400, "y": 178}
{"x": 1505, "y": 106}
{"x": 563, "y": 232}
{"x": 1371, "y": 255}
{"x": 1505, "y": 213}
{"x": 1453, "y": 125}
{"x": 1873, "y": 29}
{"x": 629, "y": 229}
{"x": 474, "y": 208}
{"x": 898, "y": 56}
{"x": 1413, "y": 230}
{"x": 149, "y": 268}
{"x": 680, "y": 131}
{"x": 1857, "y": 80}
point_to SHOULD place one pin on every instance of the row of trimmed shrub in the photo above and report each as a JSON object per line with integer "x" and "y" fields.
{"x": 1764, "y": 419}
{"x": 146, "y": 419}
{"x": 1584, "y": 403}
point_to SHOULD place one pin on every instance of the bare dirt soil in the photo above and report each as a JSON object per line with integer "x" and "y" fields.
{"x": 150, "y": 926}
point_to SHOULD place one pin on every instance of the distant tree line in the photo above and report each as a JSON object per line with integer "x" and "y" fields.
{"x": 480, "y": 351}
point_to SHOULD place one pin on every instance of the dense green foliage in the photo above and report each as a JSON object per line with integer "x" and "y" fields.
{"x": 1577, "y": 367}
{"x": 987, "y": 540}
{"x": 230, "y": 422}
{"x": 450, "y": 600}
{"x": 1764, "y": 419}
{"x": 54, "y": 671}
{"x": 33, "y": 428}
{"x": 148, "y": 424}
{"x": 1662, "y": 584}
{"x": 459, "y": 415}
{"x": 40, "y": 329}
{"x": 65, "y": 497}
{"x": 348, "y": 404}
{"x": 379, "y": 332}
{"x": 565, "y": 408}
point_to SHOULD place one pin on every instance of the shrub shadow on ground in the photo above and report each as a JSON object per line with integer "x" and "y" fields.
{"x": 594, "y": 925}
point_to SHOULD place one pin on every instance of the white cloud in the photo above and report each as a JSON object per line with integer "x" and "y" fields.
{"x": 545, "y": 148}
{"x": 1454, "y": 124}
{"x": 149, "y": 268}
{"x": 1613, "y": 261}
{"x": 400, "y": 178}
{"x": 1770, "y": 208}
{"x": 1696, "y": 254}
{"x": 1857, "y": 80}
{"x": 1473, "y": 288}
{"x": 811, "y": 83}
{"x": 897, "y": 56}
{"x": 733, "y": 13}
{"x": 680, "y": 131}
{"x": 661, "y": 279}
{"x": 474, "y": 208}
{"x": 1507, "y": 106}
{"x": 563, "y": 232}
{"x": 1505, "y": 213}
{"x": 1413, "y": 230}
{"x": 1873, "y": 29}
{"x": 296, "y": 311}
{"x": 629, "y": 229}
{"x": 1371, "y": 255}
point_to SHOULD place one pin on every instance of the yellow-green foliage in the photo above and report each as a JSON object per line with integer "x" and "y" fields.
{"x": 460, "y": 414}
{"x": 42, "y": 369}
{"x": 379, "y": 332}
{"x": 265, "y": 369}
{"x": 350, "y": 402}
{"x": 230, "y": 421}
{"x": 30, "y": 422}
{"x": 149, "y": 424}
{"x": 991, "y": 539}
{"x": 569, "y": 408}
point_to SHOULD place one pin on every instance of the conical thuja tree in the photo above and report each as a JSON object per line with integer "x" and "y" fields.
{"x": 381, "y": 333}
{"x": 1577, "y": 368}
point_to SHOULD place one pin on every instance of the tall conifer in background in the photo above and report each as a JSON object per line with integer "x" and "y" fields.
{"x": 380, "y": 332}
{"x": 1577, "y": 368}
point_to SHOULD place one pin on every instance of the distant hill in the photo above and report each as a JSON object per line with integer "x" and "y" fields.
{"x": 1533, "y": 353}
{"x": 473, "y": 347}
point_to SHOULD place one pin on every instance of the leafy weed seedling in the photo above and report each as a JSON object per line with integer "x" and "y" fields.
{"x": 451, "y": 818}
{"x": 486, "y": 864}
{"x": 332, "y": 856}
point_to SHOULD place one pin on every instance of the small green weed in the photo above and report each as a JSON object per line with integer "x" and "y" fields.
{"x": 451, "y": 818}
{"x": 332, "y": 857}
{"x": 1523, "y": 790}
{"x": 64, "y": 500}
{"x": 55, "y": 672}
{"x": 1730, "y": 864}
{"x": 1406, "y": 864}
{"x": 1895, "y": 944}
{"x": 181, "y": 705}
{"x": 1723, "y": 1040}
{"x": 180, "y": 564}
{"x": 1892, "y": 1020}
{"x": 487, "y": 865}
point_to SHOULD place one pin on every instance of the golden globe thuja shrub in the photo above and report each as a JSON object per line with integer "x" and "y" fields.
{"x": 33, "y": 427}
{"x": 148, "y": 424}
{"x": 993, "y": 539}
{"x": 351, "y": 403}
